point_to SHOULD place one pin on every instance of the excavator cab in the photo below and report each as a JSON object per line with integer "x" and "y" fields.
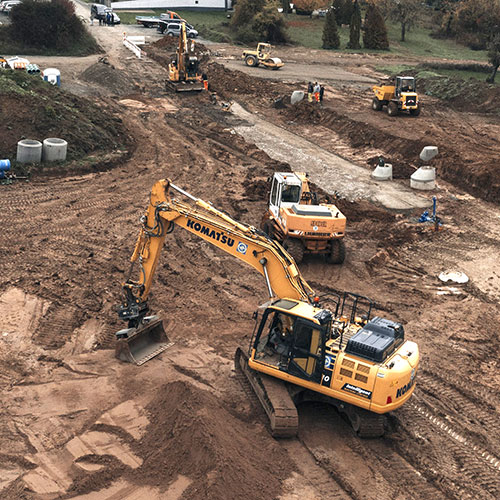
{"x": 290, "y": 343}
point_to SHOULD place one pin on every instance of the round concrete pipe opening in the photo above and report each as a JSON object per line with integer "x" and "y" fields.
{"x": 29, "y": 151}
{"x": 54, "y": 149}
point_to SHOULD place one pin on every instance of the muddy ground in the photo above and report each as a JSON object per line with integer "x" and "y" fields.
{"x": 76, "y": 423}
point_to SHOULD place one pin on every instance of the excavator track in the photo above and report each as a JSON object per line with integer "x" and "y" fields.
{"x": 184, "y": 86}
{"x": 365, "y": 423}
{"x": 273, "y": 396}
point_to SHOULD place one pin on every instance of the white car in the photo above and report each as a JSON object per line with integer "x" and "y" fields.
{"x": 7, "y": 5}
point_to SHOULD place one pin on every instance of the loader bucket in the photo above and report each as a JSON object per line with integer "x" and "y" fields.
{"x": 142, "y": 343}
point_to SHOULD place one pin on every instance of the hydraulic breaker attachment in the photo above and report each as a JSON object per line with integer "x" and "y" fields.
{"x": 140, "y": 344}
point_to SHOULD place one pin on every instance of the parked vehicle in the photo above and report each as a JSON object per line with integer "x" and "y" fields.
{"x": 99, "y": 11}
{"x": 6, "y": 7}
{"x": 174, "y": 29}
{"x": 152, "y": 21}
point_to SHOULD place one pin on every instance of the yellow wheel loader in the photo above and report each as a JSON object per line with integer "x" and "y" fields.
{"x": 302, "y": 348}
{"x": 184, "y": 74}
{"x": 300, "y": 223}
{"x": 401, "y": 96}
{"x": 262, "y": 56}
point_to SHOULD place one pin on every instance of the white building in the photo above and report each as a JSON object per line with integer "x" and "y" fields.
{"x": 172, "y": 4}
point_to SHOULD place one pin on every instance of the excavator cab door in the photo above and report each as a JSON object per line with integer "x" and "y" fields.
{"x": 275, "y": 198}
{"x": 308, "y": 350}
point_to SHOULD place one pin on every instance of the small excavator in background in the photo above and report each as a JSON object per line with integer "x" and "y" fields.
{"x": 300, "y": 223}
{"x": 262, "y": 56}
{"x": 300, "y": 350}
{"x": 184, "y": 73}
{"x": 401, "y": 96}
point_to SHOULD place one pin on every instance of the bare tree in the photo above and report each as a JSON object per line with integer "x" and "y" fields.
{"x": 406, "y": 13}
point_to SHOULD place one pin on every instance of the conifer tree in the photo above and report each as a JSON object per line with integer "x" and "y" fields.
{"x": 338, "y": 7}
{"x": 331, "y": 38}
{"x": 375, "y": 35}
{"x": 355, "y": 27}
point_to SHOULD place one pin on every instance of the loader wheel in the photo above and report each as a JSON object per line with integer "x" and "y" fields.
{"x": 295, "y": 248}
{"x": 337, "y": 252}
{"x": 251, "y": 61}
{"x": 376, "y": 104}
{"x": 392, "y": 109}
{"x": 415, "y": 112}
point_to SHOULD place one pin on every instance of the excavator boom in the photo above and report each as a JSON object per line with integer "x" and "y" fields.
{"x": 246, "y": 243}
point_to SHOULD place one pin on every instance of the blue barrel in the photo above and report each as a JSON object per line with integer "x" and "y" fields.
{"x": 4, "y": 166}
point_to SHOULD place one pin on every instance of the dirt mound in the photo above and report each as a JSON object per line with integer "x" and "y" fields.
{"x": 108, "y": 76}
{"x": 36, "y": 110}
{"x": 461, "y": 94}
{"x": 194, "y": 435}
{"x": 227, "y": 83}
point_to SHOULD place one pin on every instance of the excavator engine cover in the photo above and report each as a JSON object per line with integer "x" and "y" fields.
{"x": 138, "y": 345}
{"x": 376, "y": 340}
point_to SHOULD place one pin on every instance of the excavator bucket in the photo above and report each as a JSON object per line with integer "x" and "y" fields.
{"x": 138, "y": 345}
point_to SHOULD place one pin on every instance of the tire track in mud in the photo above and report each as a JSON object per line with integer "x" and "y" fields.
{"x": 374, "y": 470}
{"x": 459, "y": 400}
{"x": 458, "y": 466}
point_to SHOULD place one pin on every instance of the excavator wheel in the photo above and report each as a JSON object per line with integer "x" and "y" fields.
{"x": 273, "y": 396}
{"x": 295, "y": 248}
{"x": 337, "y": 252}
{"x": 251, "y": 61}
{"x": 392, "y": 109}
{"x": 376, "y": 104}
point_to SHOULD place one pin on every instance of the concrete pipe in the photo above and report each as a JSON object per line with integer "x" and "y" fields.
{"x": 424, "y": 179}
{"x": 29, "y": 151}
{"x": 54, "y": 149}
{"x": 383, "y": 172}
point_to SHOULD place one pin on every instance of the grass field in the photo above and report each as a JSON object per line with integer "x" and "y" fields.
{"x": 308, "y": 33}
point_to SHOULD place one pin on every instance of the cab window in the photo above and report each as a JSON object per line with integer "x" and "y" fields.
{"x": 290, "y": 194}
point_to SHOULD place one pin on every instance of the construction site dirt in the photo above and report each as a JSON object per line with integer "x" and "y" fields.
{"x": 77, "y": 423}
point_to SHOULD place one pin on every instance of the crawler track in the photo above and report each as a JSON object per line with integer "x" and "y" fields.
{"x": 273, "y": 396}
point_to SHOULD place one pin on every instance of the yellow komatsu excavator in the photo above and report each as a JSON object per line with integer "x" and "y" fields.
{"x": 184, "y": 73}
{"x": 300, "y": 348}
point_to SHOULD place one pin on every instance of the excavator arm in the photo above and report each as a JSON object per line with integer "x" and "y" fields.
{"x": 246, "y": 243}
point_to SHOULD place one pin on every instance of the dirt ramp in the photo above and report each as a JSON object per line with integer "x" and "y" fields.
{"x": 192, "y": 434}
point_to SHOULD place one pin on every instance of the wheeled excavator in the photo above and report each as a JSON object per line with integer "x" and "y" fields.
{"x": 302, "y": 347}
{"x": 300, "y": 223}
{"x": 184, "y": 73}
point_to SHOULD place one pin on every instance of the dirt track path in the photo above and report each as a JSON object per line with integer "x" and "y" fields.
{"x": 74, "y": 421}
